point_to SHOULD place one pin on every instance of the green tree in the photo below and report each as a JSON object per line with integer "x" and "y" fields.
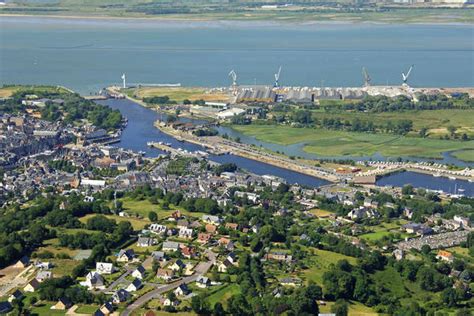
{"x": 340, "y": 308}
{"x": 152, "y": 216}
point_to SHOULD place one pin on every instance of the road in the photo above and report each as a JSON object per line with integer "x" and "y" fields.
{"x": 200, "y": 269}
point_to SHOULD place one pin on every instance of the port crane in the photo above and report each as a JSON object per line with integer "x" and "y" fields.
{"x": 407, "y": 75}
{"x": 367, "y": 78}
{"x": 277, "y": 79}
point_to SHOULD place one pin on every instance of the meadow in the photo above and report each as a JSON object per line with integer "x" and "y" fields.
{"x": 341, "y": 143}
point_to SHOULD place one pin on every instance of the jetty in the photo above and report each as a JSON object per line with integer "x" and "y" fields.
{"x": 219, "y": 145}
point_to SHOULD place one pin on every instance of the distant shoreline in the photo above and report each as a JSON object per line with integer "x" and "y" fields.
{"x": 250, "y": 22}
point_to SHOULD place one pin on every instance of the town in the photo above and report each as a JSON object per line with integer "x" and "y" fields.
{"x": 89, "y": 228}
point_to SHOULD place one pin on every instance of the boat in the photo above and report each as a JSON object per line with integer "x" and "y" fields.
{"x": 470, "y": 180}
{"x": 437, "y": 175}
{"x": 150, "y": 144}
{"x": 461, "y": 190}
{"x": 452, "y": 178}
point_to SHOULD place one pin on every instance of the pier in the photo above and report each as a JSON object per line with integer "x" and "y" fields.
{"x": 219, "y": 145}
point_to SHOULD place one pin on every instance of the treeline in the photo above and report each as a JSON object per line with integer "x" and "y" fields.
{"x": 205, "y": 132}
{"x": 62, "y": 164}
{"x": 305, "y": 118}
{"x": 402, "y": 103}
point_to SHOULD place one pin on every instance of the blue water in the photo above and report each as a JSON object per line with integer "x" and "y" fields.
{"x": 140, "y": 130}
{"x": 89, "y": 54}
{"x": 419, "y": 180}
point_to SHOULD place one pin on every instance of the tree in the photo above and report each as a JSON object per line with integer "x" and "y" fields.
{"x": 408, "y": 189}
{"x": 218, "y": 310}
{"x": 449, "y": 297}
{"x": 199, "y": 305}
{"x": 152, "y": 216}
{"x": 340, "y": 308}
{"x": 423, "y": 132}
{"x": 451, "y": 130}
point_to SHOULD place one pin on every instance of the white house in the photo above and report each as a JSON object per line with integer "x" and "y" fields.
{"x": 203, "y": 282}
{"x": 157, "y": 229}
{"x": 186, "y": 233}
{"x": 169, "y": 246}
{"x": 139, "y": 272}
{"x": 93, "y": 281}
{"x": 134, "y": 286}
{"x": 182, "y": 290}
{"x": 104, "y": 268}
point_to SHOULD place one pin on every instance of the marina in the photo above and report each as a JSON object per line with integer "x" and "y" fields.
{"x": 141, "y": 132}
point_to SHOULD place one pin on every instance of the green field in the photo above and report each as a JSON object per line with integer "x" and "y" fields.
{"x": 223, "y": 294}
{"x": 137, "y": 223}
{"x": 319, "y": 263}
{"x": 466, "y": 155}
{"x": 436, "y": 121}
{"x": 340, "y": 143}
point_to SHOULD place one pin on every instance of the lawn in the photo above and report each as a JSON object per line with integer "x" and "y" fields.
{"x": 44, "y": 309}
{"x": 51, "y": 245}
{"x": 137, "y": 223}
{"x": 320, "y": 213}
{"x": 223, "y": 294}
{"x": 340, "y": 143}
{"x": 86, "y": 309}
{"x": 63, "y": 267}
{"x": 143, "y": 207}
{"x": 319, "y": 263}
{"x": 355, "y": 309}
{"x": 178, "y": 94}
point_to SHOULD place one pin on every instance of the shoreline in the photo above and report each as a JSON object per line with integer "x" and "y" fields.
{"x": 247, "y": 22}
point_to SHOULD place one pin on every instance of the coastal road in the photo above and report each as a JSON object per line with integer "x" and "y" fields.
{"x": 200, "y": 269}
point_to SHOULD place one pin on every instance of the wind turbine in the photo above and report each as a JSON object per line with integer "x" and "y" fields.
{"x": 277, "y": 79}
{"x": 124, "y": 82}
{"x": 367, "y": 78}
{"x": 405, "y": 77}
{"x": 233, "y": 76}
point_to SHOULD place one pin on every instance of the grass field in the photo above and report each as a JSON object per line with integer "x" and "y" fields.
{"x": 86, "y": 309}
{"x": 178, "y": 94}
{"x": 355, "y": 309}
{"x": 223, "y": 294}
{"x": 143, "y": 207}
{"x": 466, "y": 155}
{"x": 51, "y": 245}
{"x": 319, "y": 263}
{"x": 137, "y": 223}
{"x": 6, "y": 92}
{"x": 320, "y": 213}
{"x": 340, "y": 143}
{"x": 436, "y": 121}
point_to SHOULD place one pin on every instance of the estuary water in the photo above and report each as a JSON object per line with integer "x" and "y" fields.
{"x": 140, "y": 130}
{"x": 88, "y": 54}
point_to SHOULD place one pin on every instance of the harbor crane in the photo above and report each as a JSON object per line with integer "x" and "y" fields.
{"x": 277, "y": 79}
{"x": 124, "y": 82}
{"x": 367, "y": 78}
{"x": 407, "y": 75}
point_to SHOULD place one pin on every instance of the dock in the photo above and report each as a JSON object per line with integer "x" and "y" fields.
{"x": 219, "y": 145}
